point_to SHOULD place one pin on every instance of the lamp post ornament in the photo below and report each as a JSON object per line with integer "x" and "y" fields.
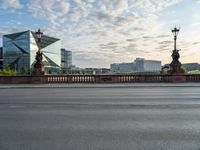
{"x": 38, "y": 66}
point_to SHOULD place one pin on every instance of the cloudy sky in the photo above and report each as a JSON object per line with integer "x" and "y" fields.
{"x": 101, "y": 32}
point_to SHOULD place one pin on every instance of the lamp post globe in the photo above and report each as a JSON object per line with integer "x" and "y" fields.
{"x": 175, "y": 31}
{"x": 39, "y": 35}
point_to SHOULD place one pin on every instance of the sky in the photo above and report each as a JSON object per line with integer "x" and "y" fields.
{"x": 101, "y": 32}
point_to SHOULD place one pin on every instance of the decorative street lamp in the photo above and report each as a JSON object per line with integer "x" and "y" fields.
{"x": 39, "y": 53}
{"x": 38, "y": 66}
{"x": 175, "y": 32}
{"x": 175, "y": 66}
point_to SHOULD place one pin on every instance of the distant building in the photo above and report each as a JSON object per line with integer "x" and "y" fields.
{"x": 140, "y": 65}
{"x": 191, "y": 66}
{"x": 143, "y": 65}
{"x": 19, "y": 51}
{"x": 66, "y": 60}
{"x": 114, "y": 67}
{"x": 96, "y": 71}
{"x": 1, "y": 58}
{"x": 123, "y": 67}
{"x": 187, "y": 66}
{"x": 126, "y": 67}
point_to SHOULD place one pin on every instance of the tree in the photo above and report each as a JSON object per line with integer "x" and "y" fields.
{"x": 7, "y": 71}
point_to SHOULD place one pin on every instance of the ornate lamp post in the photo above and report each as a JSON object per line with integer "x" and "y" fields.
{"x": 175, "y": 66}
{"x": 38, "y": 66}
{"x": 175, "y": 32}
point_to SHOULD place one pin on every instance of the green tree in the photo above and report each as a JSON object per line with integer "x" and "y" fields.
{"x": 165, "y": 71}
{"x": 7, "y": 71}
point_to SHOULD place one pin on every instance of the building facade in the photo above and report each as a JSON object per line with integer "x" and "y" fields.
{"x": 66, "y": 60}
{"x": 191, "y": 66}
{"x": 19, "y": 52}
{"x": 1, "y": 58}
{"x": 143, "y": 65}
{"x": 123, "y": 67}
{"x": 95, "y": 71}
{"x": 140, "y": 65}
{"x": 114, "y": 67}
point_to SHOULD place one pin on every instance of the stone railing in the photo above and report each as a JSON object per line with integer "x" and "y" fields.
{"x": 98, "y": 79}
{"x": 106, "y": 78}
{"x": 193, "y": 78}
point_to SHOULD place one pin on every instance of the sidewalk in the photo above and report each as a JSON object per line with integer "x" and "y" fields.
{"x": 114, "y": 85}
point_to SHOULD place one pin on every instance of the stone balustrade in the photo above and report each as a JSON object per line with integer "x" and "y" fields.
{"x": 98, "y": 79}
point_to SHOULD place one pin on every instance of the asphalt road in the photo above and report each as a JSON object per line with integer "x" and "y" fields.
{"x": 100, "y": 118}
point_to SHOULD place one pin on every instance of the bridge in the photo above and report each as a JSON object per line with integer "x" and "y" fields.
{"x": 99, "y": 79}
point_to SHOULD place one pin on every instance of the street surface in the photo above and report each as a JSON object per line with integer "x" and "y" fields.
{"x": 100, "y": 117}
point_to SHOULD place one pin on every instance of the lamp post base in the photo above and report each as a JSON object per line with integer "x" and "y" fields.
{"x": 178, "y": 74}
{"x": 175, "y": 68}
{"x": 38, "y": 70}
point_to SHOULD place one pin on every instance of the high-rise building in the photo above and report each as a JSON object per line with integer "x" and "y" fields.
{"x": 1, "y": 58}
{"x": 66, "y": 60}
{"x": 19, "y": 51}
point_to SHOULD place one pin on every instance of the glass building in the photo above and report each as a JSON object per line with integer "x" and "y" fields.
{"x": 1, "y": 58}
{"x": 66, "y": 60}
{"x": 19, "y": 51}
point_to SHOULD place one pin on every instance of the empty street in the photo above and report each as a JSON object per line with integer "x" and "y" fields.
{"x": 100, "y": 117}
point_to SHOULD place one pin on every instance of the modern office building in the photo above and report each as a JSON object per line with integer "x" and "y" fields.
{"x": 114, "y": 67}
{"x": 19, "y": 51}
{"x": 66, "y": 60}
{"x": 140, "y": 65}
{"x": 143, "y": 65}
{"x": 127, "y": 67}
{"x": 1, "y": 58}
{"x": 123, "y": 67}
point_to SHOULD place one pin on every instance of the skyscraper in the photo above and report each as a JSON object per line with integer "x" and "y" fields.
{"x": 66, "y": 60}
{"x": 1, "y": 58}
{"x": 19, "y": 51}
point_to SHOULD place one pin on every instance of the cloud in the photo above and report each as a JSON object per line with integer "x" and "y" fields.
{"x": 132, "y": 40}
{"x": 198, "y": 1}
{"x": 166, "y": 42}
{"x": 152, "y": 6}
{"x": 116, "y": 30}
{"x": 50, "y": 10}
{"x": 5, "y": 4}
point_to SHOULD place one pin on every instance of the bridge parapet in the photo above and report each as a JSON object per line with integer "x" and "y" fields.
{"x": 98, "y": 79}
